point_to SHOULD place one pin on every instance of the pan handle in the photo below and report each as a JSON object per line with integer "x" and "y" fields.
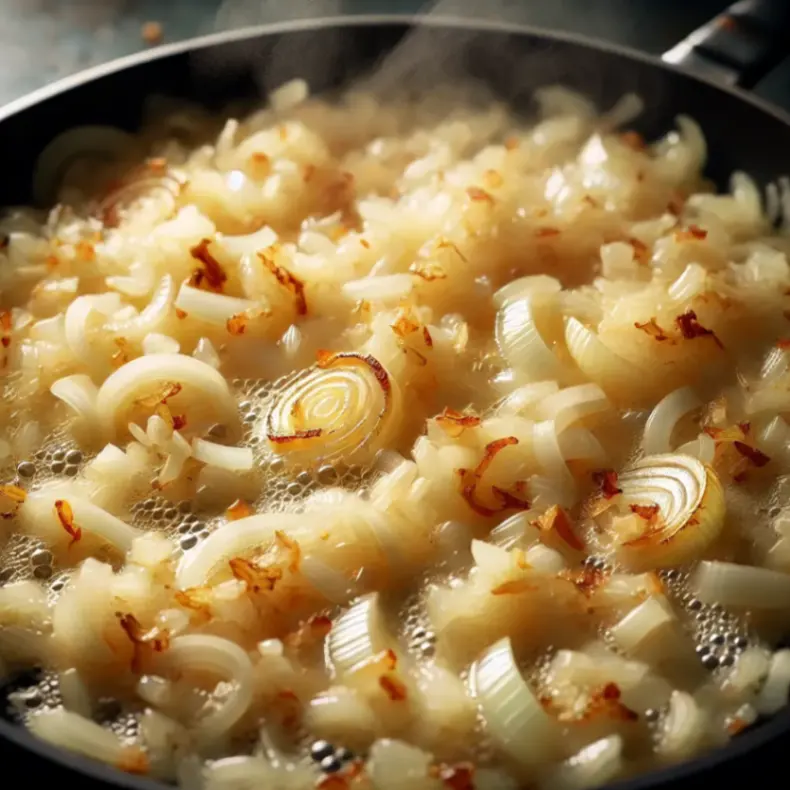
{"x": 740, "y": 46}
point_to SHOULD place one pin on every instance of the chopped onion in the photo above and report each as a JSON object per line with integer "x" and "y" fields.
{"x": 691, "y": 283}
{"x": 664, "y": 418}
{"x": 395, "y": 765}
{"x": 74, "y": 693}
{"x": 729, "y": 584}
{"x": 703, "y": 448}
{"x": 385, "y": 288}
{"x": 80, "y": 320}
{"x": 774, "y": 694}
{"x": 521, "y": 344}
{"x": 234, "y": 539}
{"x": 247, "y": 244}
{"x": 775, "y": 438}
{"x": 544, "y": 559}
{"x": 684, "y": 727}
{"x": 572, "y": 404}
{"x": 154, "y": 343}
{"x": 71, "y": 731}
{"x": 213, "y": 308}
{"x": 138, "y": 378}
{"x": 515, "y": 719}
{"x": 206, "y": 353}
{"x": 356, "y": 636}
{"x": 39, "y": 517}
{"x": 152, "y": 316}
{"x": 690, "y": 513}
{"x": 332, "y": 584}
{"x": 549, "y": 455}
{"x": 642, "y": 623}
{"x": 527, "y": 397}
{"x": 517, "y": 530}
{"x": 617, "y": 377}
{"x": 80, "y": 393}
{"x": 205, "y": 653}
{"x": 346, "y": 405}
{"x": 581, "y": 444}
{"x": 288, "y": 95}
{"x": 524, "y": 287}
{"x": 593, "y": 766}
{"x": 235, "y": 459}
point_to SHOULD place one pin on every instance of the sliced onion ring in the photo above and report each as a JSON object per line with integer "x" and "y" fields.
{"x": 690, "y": 514}
{"x": 346, "y": 404}
{"x": 357, "y": 636}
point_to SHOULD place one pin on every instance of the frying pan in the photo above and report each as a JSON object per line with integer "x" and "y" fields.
{"x": 743, "y": 133}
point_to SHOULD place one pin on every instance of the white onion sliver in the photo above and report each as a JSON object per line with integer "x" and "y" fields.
{"x": 521, "y": 344}
{"x": 514, "y": 717}
{"x": 773, "y": 695}
{"x": 235, "y": 459}
{"x": 152, "y": 315}
{"x": 213, "y": 308}
{"x": 664, "y": 418}
{"x": 572, "y": 404}
{"x": 356, "y": 636}
{"x": 642, "y": 623}
{"x": 593, "y": 766}
{"x": 218, "y": 656}
{"x": 729, "y": 584}
{"x": 71, "y": 731}
{"x": 156, "y": 343}
{"x": 385, "y": 288}
{"x": 79, "y": 392}
{"x": 332, "y": 584}
{"x": 547, "y": 450}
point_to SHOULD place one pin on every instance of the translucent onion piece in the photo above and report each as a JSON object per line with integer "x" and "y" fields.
{"x": 213, "y": 308}
{"x": 774, "y": 439}
{"x": 703, "y": 448}
{"x": 741, "y": 586}
{"x": 580, "y": 444}
{"x": 234, "y": 539}
{"x": 594, "y": 766}
{"x": 71, "y": 731}
{"x": 572, "y": 404}
{"x": 204, "y": 653}
{"x": 642, "y": 623}
{"x": 524, "y": 287}
{"x": 235, "y": 459}
{"x": 79, "y": 392}
{"x": 690, "y": 512}
{"x": 156, "y": 343}
{"x": 332, "y": 584}
{"x": 684, "y": 727}
{"x": 548, "y": 453}
{"x": 39, "y": 517}
{"x": 249, "y": 243}
{"x": 516, "y": 530}
{"x": 515, "y": 719}
{"x": 774, "y": 693}
{"x": 544, "y": 559}
{"x": 151, "y": 317}
{"x": 527, "y": 397}
{"x": 521, "y": 344}
{"x": 142, "y": 376}
{"x": 78, "y": 325}
{"x": 619, "y": 378}
{"x": 357, "y": 636}
{"x": 345, "y": 405}
{"x": 390, "y": 288}
{"x": 664, "y": 418}
{"x": 74, "y": 693}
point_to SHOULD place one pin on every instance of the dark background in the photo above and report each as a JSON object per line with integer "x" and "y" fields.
{"x": 42, "y": 40}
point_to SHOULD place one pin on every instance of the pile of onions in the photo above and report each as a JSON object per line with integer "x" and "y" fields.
{"x": 347, "y": 405}
{"x": 680, "y": 504}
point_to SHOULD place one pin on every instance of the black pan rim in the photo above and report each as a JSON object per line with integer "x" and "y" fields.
{"x": 751, "y": 739}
